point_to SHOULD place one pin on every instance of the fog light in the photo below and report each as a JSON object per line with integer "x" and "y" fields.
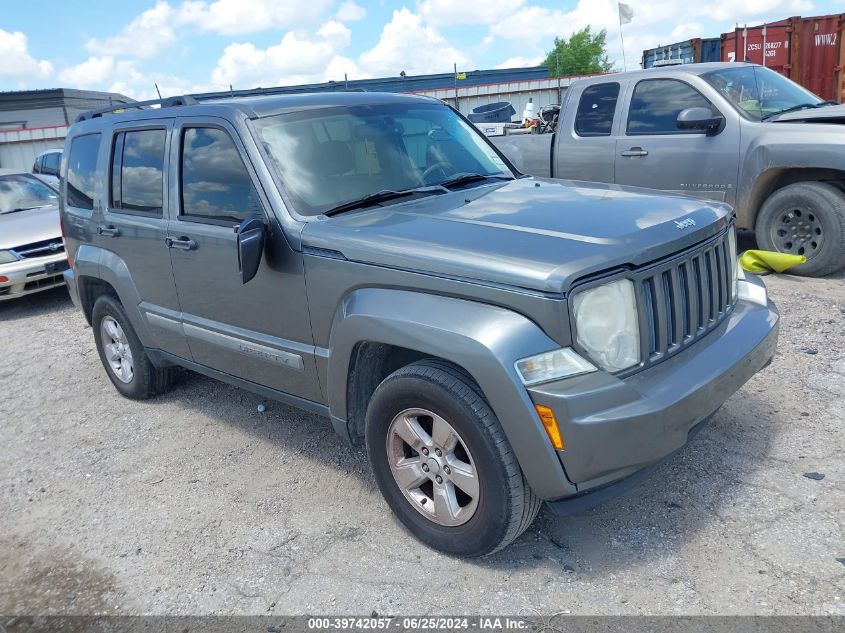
{"x": 547, "y": 417}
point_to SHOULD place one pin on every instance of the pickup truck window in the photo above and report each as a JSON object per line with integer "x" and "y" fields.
{"x": 216, "y": 186}
{"x": 137, "y": 180}
{"x": 334, "y": 155}
{"x": 596, "y": 109}
{"x": 656, "y": 103}
{"x": 759, "y": 92}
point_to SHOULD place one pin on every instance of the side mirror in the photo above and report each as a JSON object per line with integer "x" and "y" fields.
{"x": 250, "y": 234}
{"x": 701, "y": 119}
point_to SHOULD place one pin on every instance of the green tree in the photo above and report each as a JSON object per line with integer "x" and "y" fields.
{"x": 584, "y": 53}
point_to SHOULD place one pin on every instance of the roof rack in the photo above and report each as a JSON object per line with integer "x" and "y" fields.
{"x": 167, "y": 102}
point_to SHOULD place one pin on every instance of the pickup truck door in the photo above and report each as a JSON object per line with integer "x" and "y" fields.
{"x": 652, "y": 152}
{"x": 584, "y": 142}
{"x": 257, "y": 331}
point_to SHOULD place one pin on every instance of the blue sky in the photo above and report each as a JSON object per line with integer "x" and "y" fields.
{"x": 197, "y": 45}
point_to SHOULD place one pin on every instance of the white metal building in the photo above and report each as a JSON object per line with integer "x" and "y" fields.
{"x": 32, "y": 121}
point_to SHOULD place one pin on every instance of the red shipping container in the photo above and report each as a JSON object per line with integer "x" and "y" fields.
{"x": 817, "y": 59}
{"x": 749, "y": 44}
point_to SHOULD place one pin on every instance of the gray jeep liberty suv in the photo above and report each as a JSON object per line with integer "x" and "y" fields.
{"x": 494, "y": 340}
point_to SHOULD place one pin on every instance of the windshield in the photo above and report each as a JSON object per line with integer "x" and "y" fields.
{"x": 332, "y": 156}
{"x": 759, "y": 92}
{"x": 19, "y": 192}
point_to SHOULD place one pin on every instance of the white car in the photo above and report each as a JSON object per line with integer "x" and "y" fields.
{"x": 32, "y": 253}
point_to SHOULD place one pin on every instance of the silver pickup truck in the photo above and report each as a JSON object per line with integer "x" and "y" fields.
{"x": 736, "y": 133}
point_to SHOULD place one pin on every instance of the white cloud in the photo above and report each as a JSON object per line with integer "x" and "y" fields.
{"x": 350, "y": 12}
{"x": 236, "y": 17}
{"x": 297, "y": 58}
{"x": 145, "y": 36}
{"x": 408, "y": 44}
{"x": 522, "y": 62}
{"x": 454, "y": 13}
{"x": 16, "y": 60}
{"x": 95, "y": 71}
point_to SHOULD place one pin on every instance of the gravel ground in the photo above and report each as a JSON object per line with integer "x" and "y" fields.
{"x": 196, "y": 503}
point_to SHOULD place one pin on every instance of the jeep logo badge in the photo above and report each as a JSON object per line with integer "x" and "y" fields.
{"x": 685, "y": 224}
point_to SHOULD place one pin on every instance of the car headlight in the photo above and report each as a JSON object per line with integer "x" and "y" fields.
{"x": 606, "y": 324}
{"x": 561, "y": 363}
{"x": 7, "y": 257}
{"x": 734, "y": 262}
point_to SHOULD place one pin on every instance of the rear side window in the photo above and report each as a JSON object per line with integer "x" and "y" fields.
{"x": 137, "y": 173}
{"x": 216, "y": 185}
{"x": 596, "y": 109}
{"x": 36, "y": 166}
{"x": 82, "y": 171}
{"x": 51, "y": 163}
{"x": 656, "y": 104}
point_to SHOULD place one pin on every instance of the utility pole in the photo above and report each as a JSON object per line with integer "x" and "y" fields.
{"x": 455, "y": 77}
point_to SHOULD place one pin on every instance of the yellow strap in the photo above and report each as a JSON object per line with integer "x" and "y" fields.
{"x": 766, "y": 261}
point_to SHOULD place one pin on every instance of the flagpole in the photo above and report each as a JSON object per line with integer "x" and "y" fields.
{"x": 622, "y": 39}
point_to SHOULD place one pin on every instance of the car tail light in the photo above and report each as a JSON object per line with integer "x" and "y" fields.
{"x": 64, "y": 241}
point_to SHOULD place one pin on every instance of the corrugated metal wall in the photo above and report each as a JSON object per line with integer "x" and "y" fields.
{"x": 18, "y": 148}
{"x": 542, "y": 91}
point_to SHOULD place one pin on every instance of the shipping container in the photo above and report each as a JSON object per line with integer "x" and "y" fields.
{"x": 817, "y": 63}
{"x": 807, "y": 50}
{"x": 769, "y": 45}
{"x": 687, "y": 52}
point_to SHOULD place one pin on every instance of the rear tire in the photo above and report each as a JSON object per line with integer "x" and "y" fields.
{"x": 124, "y": 359}
{"x": 483, "y": 501}
{"x": 807, "y": 218}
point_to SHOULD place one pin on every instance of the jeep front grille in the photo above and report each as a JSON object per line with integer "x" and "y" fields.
{"x": 683, "y": 299}
{"x": 40, "y": 249}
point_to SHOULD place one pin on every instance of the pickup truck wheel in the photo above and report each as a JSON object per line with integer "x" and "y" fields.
{"x": 443, "y": 463}
{"x": 807, "y": 218}
{"x": 127, "y": 365}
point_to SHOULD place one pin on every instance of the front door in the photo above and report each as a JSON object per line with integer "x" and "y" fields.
{"x": 259, "y": 331}
{"x": 652, "y": 152}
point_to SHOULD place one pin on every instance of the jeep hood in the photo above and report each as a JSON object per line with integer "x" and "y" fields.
{"x": 532, "y": 233}
{"x": 26, "y": 227}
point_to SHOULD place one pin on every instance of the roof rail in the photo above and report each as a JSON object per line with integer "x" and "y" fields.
{"x": 167, "y": 102}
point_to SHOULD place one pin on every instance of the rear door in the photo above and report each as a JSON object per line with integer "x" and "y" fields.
{"x": 585, "y": 143}
{"x": 259, "y": 331}
{"x": 652, "y": 152}
{"x": 134, "y": 227}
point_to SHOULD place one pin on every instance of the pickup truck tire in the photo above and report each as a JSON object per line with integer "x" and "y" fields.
{"x": 418, "y": 397}
{"x": 123, "y": 357}
{"x": 807, "y": 218}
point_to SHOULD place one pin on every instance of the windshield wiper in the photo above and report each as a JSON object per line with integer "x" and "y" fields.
{"x": 378, "y": 197}
{"x": 23, "y": 209}
{"x": 800, "y": 106}
{"x": 463, "y": 178}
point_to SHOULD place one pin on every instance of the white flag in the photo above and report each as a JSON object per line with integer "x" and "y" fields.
{"x": 626, "y": 13}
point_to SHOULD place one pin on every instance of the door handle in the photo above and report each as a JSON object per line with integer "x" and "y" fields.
{"x": 110, "y": 231}
{"x": 635, "y": 151}
{"x": 182, "y": 243}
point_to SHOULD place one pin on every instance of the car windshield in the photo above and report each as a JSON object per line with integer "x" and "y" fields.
{"x": 760, "y": 92}
{"x": 19, "y": 192}
{"x": 330, "y": 157}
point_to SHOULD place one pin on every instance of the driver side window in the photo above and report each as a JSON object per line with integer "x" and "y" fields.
{"x": 656, "y": 103}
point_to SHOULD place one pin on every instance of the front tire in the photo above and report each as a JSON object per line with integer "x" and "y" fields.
{"x": 807, "y": 218}
{"x": 124, "y": 359}
{"x": 443, "y": 463}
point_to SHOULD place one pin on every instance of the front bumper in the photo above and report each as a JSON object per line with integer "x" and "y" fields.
{"x": 613, "y": 428}
{"x": 31, "y": 275}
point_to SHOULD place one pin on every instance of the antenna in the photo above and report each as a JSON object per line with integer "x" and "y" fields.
{"x": 157, "y": 90}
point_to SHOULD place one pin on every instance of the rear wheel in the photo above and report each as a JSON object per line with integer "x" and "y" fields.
{"x": 807, "y": 218}
{"x": 127, "y": 365}
{"x": 443, "y": 463}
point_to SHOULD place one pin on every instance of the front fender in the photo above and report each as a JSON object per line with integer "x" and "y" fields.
{"x": 484, "y": 340}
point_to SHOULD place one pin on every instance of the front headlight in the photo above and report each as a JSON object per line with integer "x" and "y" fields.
{"x": 7, "y": 257}
{"x": 606, "y": 324}
{"x": 561, "y": 363}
